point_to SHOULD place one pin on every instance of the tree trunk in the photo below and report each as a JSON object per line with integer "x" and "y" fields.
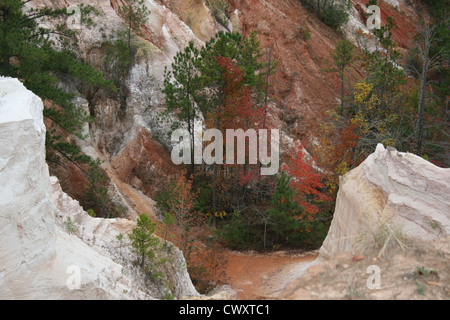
{"x": 267, "y": 90}
{"x": 129, "y": 32}
{"x": 215, "y": 175}
{"x": 142, "y": 259}
{"x": 190, "y": 170}
{"x": 423, "y": 84}
{"x": 341, "y": 111}
{"x": 193, "y": 147}
{"x": 428, "y": 37}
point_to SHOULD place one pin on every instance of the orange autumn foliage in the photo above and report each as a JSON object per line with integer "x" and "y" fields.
{"x": 306, "y": 181}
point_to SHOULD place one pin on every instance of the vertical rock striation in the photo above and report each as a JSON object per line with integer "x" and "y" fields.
{"x": 392, "y": 187}
{"x": 39, "y": 258}
{"x": 26, "y": 210}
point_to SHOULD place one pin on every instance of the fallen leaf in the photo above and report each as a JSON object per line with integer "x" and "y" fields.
{"x": 432, "y": 283}
{"x": 358, "y": 257}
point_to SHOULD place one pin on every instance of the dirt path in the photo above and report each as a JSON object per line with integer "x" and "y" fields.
{"x": 263, "y": 276}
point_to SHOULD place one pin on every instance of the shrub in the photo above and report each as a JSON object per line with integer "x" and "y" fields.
{"x": 97, "y": 198}
{"x": 335, "y": 14}
{"x": 235, "y": 233}
{"x": 304, "y": 32}
{"x": 218, "y": 9}
{"x": 69, "y": 225}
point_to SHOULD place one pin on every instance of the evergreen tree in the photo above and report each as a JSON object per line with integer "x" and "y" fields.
{"x": 342, "y": 56}
{"x": 333, "y": 13}
{"x": 424, "y": 39}
{"x": 284, "y": 209}
{"x": 246, "y": 52}
{"x": 135, "y": 14}
{"x": 143, "y": 240}
{"x": 116, "y": 66}
{"x": 27, "y": 52}
{"x": 383, "y": 66}
{"x": 428, "y": 61}
{"x": 181, "y": 89}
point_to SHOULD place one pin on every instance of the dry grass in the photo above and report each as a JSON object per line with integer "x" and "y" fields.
{"x": 408, "y": 270}
{"x": 384, "y": 241}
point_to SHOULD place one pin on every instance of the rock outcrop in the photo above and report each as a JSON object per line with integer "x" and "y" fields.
{"x": 391, "y": 226}
{"x": 390, "y": 189}
{"x": 27, "y": 212}
{"x": 44, "y": 254}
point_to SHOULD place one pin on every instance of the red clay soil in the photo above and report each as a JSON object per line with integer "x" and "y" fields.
{"x": 263, "y": 276}
{"x": 299, "y": 83}
{"x": 144, "y": 164}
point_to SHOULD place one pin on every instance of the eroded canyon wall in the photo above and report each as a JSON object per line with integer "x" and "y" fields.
{"x": 42, "y": 255}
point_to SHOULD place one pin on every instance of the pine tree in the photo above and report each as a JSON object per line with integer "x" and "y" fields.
{"x": 116, "y": 66}
{"x": 284, "y": 208}
{"x": 143, "y": 240}
{"x": 135, "y": 14}
{"x": 246, "y": 52}
{"x": 342, "y": 56}
{"x": 382, "y": 67}
{"x": 429, "y": 57}
{"x": 26, "y": 52}
{"x": 181, "y": 89}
